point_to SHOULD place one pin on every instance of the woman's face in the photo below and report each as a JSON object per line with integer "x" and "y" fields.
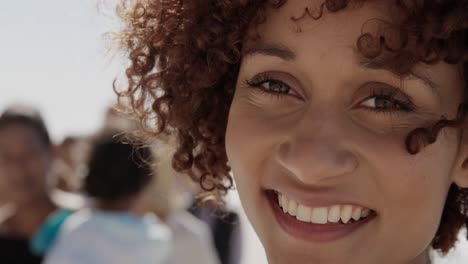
{"x": 316, "y": 129}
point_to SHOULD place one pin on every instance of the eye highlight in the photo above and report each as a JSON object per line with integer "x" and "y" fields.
{"x": 385, "y": 100}
{"x": 270, "y": 85}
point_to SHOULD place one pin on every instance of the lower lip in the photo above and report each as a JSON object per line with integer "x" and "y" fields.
{"x": 310, "y": 231}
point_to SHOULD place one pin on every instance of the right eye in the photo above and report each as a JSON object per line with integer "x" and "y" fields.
{"x": 268, "y": 84}
{"x": 275, "y": 86}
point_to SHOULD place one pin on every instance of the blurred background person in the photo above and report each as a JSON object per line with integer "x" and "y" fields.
{"x": 225, "y": 228}
{"x": 115, "y": 228}
{"x": 222, "y": 221}
{"x": 210, "y": 239}
{"x": 25, "y": 160}
{"x": 69, "y": 166}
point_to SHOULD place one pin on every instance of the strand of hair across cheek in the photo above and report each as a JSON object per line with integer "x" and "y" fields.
{"x": 421, "y": 137}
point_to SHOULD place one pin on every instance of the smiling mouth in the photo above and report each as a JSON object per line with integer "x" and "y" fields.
{"x": 319, "y": 224}
{"x": 339, "y": 213}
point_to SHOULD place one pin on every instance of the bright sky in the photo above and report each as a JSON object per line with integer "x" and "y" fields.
{"x": 53, "y": 55}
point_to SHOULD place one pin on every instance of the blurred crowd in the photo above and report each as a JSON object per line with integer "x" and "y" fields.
{"x": 102, "y": 198}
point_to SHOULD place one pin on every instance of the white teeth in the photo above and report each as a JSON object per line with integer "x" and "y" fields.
{"x": 322, "y": 215}
{"x": 292, "y": 208}
{"x": 356, "y": 213}
{"x": 319, "y": 215}
{"x": 284, "y": 203}
{"x": 365, "y": 213}
{"x": 334, "y": 214}
{"x": 304, "y": 213}
{"x": 346, "y": 212}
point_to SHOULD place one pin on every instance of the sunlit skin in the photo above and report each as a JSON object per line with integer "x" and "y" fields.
{"x": 312, "y": 119}
{"x": 24, "y": 163}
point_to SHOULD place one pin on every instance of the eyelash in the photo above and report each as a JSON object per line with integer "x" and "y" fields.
{"x": 403, "y": 104}
{"x": 257, "y": 82}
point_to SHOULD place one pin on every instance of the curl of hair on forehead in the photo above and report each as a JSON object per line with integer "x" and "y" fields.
{"x": 330, "y": 5}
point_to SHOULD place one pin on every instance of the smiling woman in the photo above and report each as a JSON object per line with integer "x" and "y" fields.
{"x": 339, "y": 119}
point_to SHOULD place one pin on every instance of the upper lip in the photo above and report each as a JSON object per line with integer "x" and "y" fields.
{"x": 321, "y": 199}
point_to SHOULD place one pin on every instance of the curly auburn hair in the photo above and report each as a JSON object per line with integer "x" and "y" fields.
{"x": 185, "y": 58}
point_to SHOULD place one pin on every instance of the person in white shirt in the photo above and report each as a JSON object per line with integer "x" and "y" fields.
{"x": 170, "y": 198}
{"x": 116, "y": 229}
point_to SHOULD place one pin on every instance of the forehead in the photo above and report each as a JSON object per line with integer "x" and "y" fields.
{"x": 295, "y": 21}
{"x": 17, "y": 136}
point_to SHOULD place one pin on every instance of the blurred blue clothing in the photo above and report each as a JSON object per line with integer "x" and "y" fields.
{"x": 45, "y": 237}
{"x": 99, "y": 237}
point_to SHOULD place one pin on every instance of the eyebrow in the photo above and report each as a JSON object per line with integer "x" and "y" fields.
{"x": 379, "y": 64}
{"x": 272, "y": 49}
{"x": 284, "y": 53}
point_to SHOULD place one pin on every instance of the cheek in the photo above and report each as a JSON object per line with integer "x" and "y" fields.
{"x": 412, "y": 190}
{"x": 251, "y": 134}
{"x": 238, "y": 140}
{"x": 250, "y": 137}
{"x": 424, "y": 176}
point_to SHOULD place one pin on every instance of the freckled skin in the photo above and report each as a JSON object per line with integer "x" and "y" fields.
{"x": 322, "y": 135}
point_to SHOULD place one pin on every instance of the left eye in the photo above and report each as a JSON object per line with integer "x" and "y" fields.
{"x": 275, "y": 87}
{"x": 386, "y": 103}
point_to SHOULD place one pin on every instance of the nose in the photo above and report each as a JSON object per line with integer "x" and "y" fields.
{"x": 317, "y": 151}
